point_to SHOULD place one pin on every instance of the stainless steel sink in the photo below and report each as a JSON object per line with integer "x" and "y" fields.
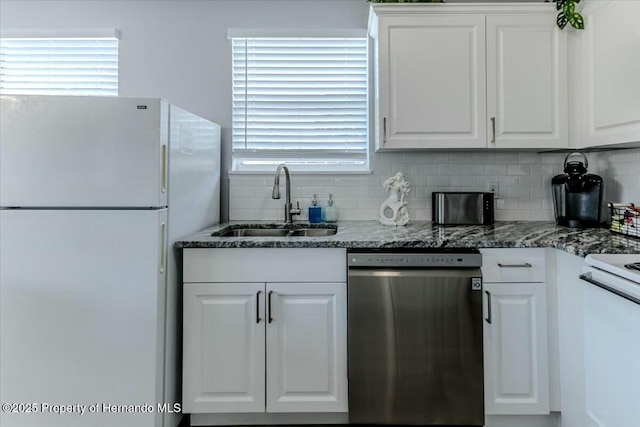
{"x": 254, "y": 232}
{"x": 232, "y": 231}
{"x": 313, "y": 232}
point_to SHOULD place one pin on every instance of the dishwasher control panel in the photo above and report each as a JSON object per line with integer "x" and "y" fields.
{"x": 414, "y": 260}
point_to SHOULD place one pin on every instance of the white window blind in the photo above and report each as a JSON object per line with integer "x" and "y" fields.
{"x": 59, "y": 66}
{"x": 302, "y": 101}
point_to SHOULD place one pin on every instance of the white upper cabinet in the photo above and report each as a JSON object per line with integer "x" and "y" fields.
{"x": 526, "y": 82}
{"x": 431, "y": 82}
{"x": 607, "y": 65}
{"x": 446, "y": 76}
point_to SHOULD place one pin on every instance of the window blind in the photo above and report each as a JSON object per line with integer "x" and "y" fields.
{"x": 302, "y": 101}
{"x": 59, "y": 66}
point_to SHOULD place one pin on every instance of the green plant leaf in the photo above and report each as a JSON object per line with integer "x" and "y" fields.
{"x": 559, "y": 4}
{"x": 569, "y": 8}
{"x": 577, "y": 21}
{"x": 562, "y": 20}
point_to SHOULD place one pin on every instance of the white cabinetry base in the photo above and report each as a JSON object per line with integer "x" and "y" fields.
{"x": 272, "y": 419}
{"x": 551, "y": 420}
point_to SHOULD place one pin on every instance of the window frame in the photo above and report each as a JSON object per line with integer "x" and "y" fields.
{"x": 329, "y": 162}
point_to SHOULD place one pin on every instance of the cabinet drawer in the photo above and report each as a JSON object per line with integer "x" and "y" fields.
{"x": 265, "y": 265}
{"x": 513, "y": 265}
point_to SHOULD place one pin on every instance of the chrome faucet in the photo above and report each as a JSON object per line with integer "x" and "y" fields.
{"x": 289, "y": 210}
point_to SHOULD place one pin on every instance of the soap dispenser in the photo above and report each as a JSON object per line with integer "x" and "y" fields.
{"x": 330, "y": 212}
{"x": 315, "y": 211}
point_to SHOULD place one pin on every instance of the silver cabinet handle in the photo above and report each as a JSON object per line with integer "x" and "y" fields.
{"x": 269, "y": 306}
{"x": 258, "y": 306}
{"x": 525, "y": 265}
{"x": 488, "y": 319}
{"x": 493, "y": 129}
{"x": 384, "y": 130}
{"x": 587, "y": 278}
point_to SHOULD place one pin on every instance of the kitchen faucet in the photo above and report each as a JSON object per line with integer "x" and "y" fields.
{"x": 289, "y": 210}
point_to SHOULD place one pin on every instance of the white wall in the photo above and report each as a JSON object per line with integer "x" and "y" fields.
{"x": 620, "y": 170}
{"x": 178, "y": 50}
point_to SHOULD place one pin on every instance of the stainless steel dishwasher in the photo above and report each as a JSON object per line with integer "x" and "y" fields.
{"x": 415, "y": 337}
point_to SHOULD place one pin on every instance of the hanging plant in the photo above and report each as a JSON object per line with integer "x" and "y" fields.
{"x": 568, "y": 14}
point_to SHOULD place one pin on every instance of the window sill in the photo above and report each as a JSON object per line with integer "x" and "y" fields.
{"x": 270, "y": 173}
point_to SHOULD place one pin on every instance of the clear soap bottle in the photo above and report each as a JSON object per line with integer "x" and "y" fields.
{"x": 330, "y": 212}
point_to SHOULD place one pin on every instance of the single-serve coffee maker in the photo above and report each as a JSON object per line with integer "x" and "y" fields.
{"x": 577, "y": 195}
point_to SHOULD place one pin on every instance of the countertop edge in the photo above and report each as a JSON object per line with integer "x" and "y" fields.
{"x": 423, "y": 235}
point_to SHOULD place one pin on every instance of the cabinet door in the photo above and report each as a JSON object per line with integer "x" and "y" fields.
{"x": 307, "y": 347}
{"x": 609, "y": 96}
{"x": 224, "y": 348}
{"x": 431, "y": 82}
{"x": 526, "y": 82}
{"x": 515, "y": 348}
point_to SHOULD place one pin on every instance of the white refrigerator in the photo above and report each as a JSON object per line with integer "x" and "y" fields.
{"x": 94, "y": 191}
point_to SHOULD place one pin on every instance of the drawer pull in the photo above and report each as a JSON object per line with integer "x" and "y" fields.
{"x": 525, "y": 265}
{"x": 270, "y": 319}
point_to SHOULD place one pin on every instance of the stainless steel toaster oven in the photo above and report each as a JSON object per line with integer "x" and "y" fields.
{"x": 462, "y": 208}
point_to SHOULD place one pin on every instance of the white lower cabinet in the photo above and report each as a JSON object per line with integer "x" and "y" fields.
{"x": 516, "y": 359}
{"x": 306, "y": 347}
{"x": 515, "y": 348}
{"x": 256, "y": 347}
{"x": 224, "y": 346}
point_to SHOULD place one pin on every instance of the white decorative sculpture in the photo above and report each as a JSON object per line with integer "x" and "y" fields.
{"x": 394, "y": 210}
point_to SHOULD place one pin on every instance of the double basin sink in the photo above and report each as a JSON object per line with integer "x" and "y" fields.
{"x": 286, "y": 230}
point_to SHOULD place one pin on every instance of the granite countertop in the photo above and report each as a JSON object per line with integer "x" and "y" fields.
{"x": 422, "y": 234}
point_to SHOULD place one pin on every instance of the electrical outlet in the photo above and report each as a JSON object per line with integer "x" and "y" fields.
{"x": 493, "y": 187}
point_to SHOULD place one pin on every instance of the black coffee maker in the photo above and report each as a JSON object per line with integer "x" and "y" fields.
{"x": 577, "y": 195}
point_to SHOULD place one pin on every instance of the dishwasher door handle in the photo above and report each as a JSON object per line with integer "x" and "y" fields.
{"x": 488, "y": 318}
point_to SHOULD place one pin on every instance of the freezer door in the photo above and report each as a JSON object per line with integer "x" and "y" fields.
{"x": 72, "y": 151}
{"x": 82, "y": 315}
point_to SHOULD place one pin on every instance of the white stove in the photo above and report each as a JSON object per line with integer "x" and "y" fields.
{"x": 618, "y": 271}
{"x": 612, "y": 340}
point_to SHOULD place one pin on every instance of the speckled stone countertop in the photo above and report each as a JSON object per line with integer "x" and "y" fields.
{"x": 422, "y": 234}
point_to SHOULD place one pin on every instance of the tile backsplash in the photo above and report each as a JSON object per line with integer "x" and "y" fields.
{"x": 524, "y": 191}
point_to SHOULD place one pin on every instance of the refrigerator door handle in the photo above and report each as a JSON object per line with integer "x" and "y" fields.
{"x": 163, "y": 247}
{"x": 164, "y": 169}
